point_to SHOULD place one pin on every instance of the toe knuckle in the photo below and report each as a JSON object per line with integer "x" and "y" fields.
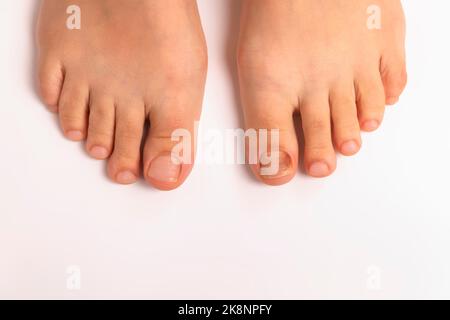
{"x": 318, "y": 148}
{"x": 344, "y": 103}
{"x": 99, "y": 134}
{"x": 101, "y": 112}
{"x": 348, "y": 127}
{"x": 70, "y": 119}
{"x": 125, "y": 156}
{"x": 70, "y": 104}
{"x": 318, "y": 125}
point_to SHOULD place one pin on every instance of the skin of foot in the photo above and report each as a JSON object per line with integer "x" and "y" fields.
{"x": 129, "y": 62}
{"x": 319, "y": 58}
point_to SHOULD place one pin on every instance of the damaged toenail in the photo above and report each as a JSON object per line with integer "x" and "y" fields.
{"x": 319, "y": 169}
{"x": 350, "y": 147}
{"x": 371, "y": 125}
{"x": 275, "y": 165}
{"x": 126, "y": 177}
{"x": 74, "y": 135}
{"x": 164, "y": 169}
{"x": 99, "y": 152}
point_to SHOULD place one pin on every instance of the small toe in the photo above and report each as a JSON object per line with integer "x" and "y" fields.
{"x": 370, "y": 101}
{"x": 344, "y": 114}
{"x": 73, "y": 110}
{"x": 319, "y": 154}
{"x": 123, "y": 165}
{"x": 100, "y": 138}
{"x": 50, "y": 79}
{"x": 394, "y": 76}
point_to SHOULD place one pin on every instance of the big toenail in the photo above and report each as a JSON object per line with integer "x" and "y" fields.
{"x": 99, "y": 152}
{"x": 275, "y": 165}
{"x": 349, "y": 147}
{"x": 371, "y": 125}
{"x": 319, "y": 169}
{"x": 164, "y": 169}
{"x": 126, "y": 177}
{"x": 74, "y": 135}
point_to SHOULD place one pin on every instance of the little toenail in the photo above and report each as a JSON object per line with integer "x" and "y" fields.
{"x": 275, "y": 166}
{"x": 371, "y": 125}
{"x": 99, "y": 152}
{"x": 126, "y": 177}
{"x": 164, "y": 169}
{"x": 319, "y": 169}
{"x": 392, "y": 100}
{"x": 74, "y": 135}
{"x": 349, "y": 147}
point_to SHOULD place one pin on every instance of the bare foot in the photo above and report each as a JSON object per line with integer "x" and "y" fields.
{"x": 131, "y": 61}
{"x": 324, "y": 59}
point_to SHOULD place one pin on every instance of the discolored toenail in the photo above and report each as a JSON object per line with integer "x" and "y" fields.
{"x": 275, "y": 166}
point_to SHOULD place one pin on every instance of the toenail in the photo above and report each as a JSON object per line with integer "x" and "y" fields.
{"x": 392, "y": 100}
{"x": 371, "y": 125}
{"x": 276, "y": 166}
{"x": 126, "y": 177}
{"x": 99, "y": 152}
{"x": 350, "y": 147}
{"x": 164, "y": 169}
{"x": 74, "y": 135}
{"x": 319, "y": 169}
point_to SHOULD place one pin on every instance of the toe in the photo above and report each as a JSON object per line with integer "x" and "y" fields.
{"x": 73, "y": 110}
{"x": 269, "y": 122}
{"x": 370, "y": 101}
{"x": 394, "y": 76}
{"x": 344, "y": 115}
{"x": 123, "y": 165}
{"x": 50, "y": 78}
{"x": 319, "y": 154}
{"x": 169, "y": 149}
{"x": 101, "y": 127}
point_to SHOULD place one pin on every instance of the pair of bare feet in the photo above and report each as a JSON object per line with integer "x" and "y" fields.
{"x": 146, "y": 60}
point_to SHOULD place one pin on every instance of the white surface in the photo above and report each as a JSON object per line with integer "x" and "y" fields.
{"x": 223, "y": 235}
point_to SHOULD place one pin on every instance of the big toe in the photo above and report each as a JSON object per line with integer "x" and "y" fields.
{"x": 169, "y": 149}
{"x": 271, "y": 144}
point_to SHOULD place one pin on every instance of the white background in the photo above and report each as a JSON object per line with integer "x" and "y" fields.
{"x": 378, "y": 228}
